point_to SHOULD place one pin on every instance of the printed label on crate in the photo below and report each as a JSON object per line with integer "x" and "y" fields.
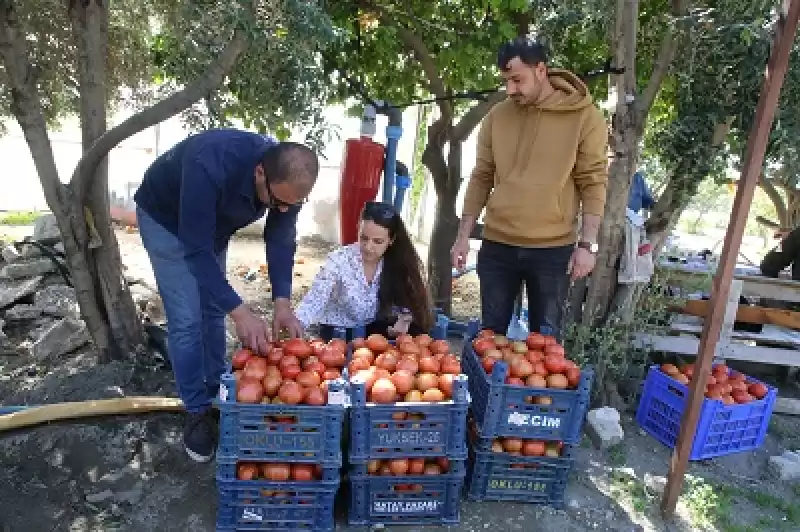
{"x": 338, "y": 397}
{"x": 533, "y": 420}
{"x": 223, "y": 392}
{"x": 252, "y": 514}
{"x": 405, "y": 507}
{"x": 280, "y": 441}
{"x": 415, "y": 437}
{"x": 516, "y": 484}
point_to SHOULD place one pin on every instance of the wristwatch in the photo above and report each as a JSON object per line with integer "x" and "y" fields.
{"x": 591, "y": 247}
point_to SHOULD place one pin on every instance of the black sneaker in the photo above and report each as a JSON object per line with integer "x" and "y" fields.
{"x": 198, "y": 436}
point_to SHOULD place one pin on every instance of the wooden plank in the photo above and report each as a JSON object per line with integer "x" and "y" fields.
{"x": 745, "y": 313}
{"x": 752, "y": 167}
{"x": 770, "y": 336}
{"x": 730, "y": 309}
{"x": 785, "y": 405}
{"x": 689, "y": 345}
{"x": 753, "y": 285}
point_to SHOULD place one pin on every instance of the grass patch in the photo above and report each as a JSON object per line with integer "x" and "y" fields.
{"x": 631, "y": 489}
{"x": 713, "y": 507}
{"x": 616, "y": 455}
{"x": 19, "y": 217}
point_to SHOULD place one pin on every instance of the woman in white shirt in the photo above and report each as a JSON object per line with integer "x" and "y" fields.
{"x": 376, "y": 282}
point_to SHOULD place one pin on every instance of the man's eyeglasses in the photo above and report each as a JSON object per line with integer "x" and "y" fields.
{"x": 276, "y": 203}
{"x": 379, "y": 211}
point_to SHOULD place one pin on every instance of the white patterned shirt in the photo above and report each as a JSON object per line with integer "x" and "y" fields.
{"x": 340, "y": 294}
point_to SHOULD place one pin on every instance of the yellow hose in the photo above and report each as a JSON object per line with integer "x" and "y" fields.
{"x": 103, "y": 407}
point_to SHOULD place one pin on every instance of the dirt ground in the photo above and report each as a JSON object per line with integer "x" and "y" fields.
{"x": 131, "y": 474}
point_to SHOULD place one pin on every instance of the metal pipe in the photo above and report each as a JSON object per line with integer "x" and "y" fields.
{"x": 393, "y": 133}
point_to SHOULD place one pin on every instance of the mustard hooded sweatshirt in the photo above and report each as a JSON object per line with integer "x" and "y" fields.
{"x": 537, "y": 164}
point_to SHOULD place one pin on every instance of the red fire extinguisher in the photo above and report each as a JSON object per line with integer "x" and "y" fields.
{"x": 362, "y": 166}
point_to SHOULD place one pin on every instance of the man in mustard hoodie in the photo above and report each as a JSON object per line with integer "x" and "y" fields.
{"x": 541, "y": 159}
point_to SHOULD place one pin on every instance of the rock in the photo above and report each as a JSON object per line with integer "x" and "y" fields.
{"x": 603, "y": 427}
{"x": 27, "y": 269}
{"x": 3, "y": 336}
{"x": 12, "y": 291}
{"x": 9, "y": 253}
{"x": 786, "y": 466}
{"x": 64, "y": 336}
{"x": 655, "y": 483}
{"x": 58, "y": 300}
{"x": 95, "y": 498}
{"x": 23, "y": 312}
{"x": 46, "y": 228}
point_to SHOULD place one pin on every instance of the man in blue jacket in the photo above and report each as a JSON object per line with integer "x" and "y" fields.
{"x": 193, "y": 198}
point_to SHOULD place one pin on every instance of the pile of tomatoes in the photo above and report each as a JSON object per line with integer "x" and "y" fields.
{"x": 537, "y": 362}
{"x": 415, "y": 369}
{"x": 723, "y": 384}
{"x": 278, "y": 472}
{"x": 398, "y": 467}
{"x": 291, "y": 372}
{"x": 520, "y": 447}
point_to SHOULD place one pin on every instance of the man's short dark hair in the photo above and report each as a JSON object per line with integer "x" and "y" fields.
{"x": 291, "y": 162}
{"x": 528, "y": 50}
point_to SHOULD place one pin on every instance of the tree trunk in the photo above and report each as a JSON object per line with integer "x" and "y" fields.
{"x": 109, "y": 290}
{"x": 623, "y": 143}
{"x": 445, "y": 228}
{"x": 104, "y": 299}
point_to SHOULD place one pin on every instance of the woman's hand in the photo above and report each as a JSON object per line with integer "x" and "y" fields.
{"x": 401, "y": 325}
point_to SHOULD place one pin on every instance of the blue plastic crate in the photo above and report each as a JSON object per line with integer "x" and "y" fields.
{"x": 438, "y": 332}
{"x": 275, "y": 506}
{"x": 430, "y": 429}
{"x": 530, "y": 479}
{"x": 406, "y": 500}
{"x": 281, "y": 433}
{"x": 721, "y": 429}
{"x": 506, "y": 410}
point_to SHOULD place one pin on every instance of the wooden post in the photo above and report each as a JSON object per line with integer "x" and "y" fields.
{"x": 753, "y": 161}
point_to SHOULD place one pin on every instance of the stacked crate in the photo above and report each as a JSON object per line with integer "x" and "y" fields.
{"x": 421, "y": 436}
{"x": 301, "y": 437}
{"x": 504, "y": 417}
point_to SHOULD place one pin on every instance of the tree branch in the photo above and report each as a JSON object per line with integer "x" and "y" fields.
{"x": 414, "y": 43}
{"x": 777, "y": 200}
{"x": 666, "y": 54}
{"x": 25, "y": 104}
{"x": 180, "y": 101}
{"x": 473, "y": 117}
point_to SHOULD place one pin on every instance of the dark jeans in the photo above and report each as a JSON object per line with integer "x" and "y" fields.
{"x": 380, "y": 326}
{"x": 502, "y": 269}
{"x": 195, "y": 324}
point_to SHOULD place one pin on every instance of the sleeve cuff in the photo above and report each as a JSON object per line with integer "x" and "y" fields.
{"x": 230, "y": 302}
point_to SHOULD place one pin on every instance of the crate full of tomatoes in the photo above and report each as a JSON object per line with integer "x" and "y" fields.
{"x": 275, "y": 496}
{"x": 409, "y": 399}
{"x": 518, "y": 470}
{"x": 406, "y": 491}
{"x": 734, "y": 416}
{"x": 526, "y": 388}
{"x": 286, "y": 405}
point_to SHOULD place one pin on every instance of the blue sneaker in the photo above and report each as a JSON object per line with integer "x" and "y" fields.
{"x": 199, "y": 436}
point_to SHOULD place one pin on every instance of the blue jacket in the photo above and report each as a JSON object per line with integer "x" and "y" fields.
{"x": 640, "y": 196}
{"x": 203, "y": 191}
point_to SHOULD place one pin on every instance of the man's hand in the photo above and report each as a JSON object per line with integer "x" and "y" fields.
{"x": 581, "y": 263}
{"x": 252, "y": 331}
{"x": 459, "y": 254}
{"x": 284, "y": 317}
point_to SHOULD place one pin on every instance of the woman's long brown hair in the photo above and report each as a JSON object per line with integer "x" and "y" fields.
{"x": 401, "y": 283}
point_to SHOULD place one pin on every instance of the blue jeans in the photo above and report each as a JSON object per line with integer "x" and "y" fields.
{"x": 195, "y": 324}
{"x": 502, "y": 269}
